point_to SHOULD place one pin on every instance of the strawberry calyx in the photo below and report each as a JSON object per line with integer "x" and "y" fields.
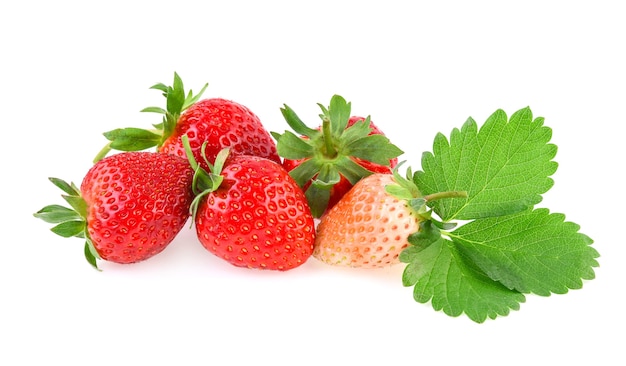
{"x": 137, "y": 139}
{"x": 70, "y": 222}
{"x": 204, "y": 182}
{"x": 332, "y": 151}
{"x": 431, "y": 228}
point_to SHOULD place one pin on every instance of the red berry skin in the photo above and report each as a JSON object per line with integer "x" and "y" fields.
{"x": 258, "y": 218}
{"x": 221, "y": 123}
{"x": 343, "y": 186}
{"x": 137, "y": 203}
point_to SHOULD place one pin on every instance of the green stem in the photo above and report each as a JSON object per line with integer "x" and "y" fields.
{"x": 331, "y": 152}
{"x": 105, "y": 150}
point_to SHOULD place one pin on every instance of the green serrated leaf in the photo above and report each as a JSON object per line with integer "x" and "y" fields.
{"x": 440, "y": 274}
{"x": 504, "y": 166}
{"x": 531, "y": 252}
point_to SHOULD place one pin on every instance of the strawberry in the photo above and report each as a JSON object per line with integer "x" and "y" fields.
{"x": 326, "y": 162}
{"x": 220, "y": 122}
{"x": 129, "y": 207}
{"x": 251, "y": 213}
{"x": 367, "y": 227}
{"x": 374, "y": 222}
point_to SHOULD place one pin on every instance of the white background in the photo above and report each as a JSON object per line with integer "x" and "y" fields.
{"x": 72, "y": 70}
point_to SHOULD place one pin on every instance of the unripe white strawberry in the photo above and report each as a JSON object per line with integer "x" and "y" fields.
{"x": 368, "y": 227}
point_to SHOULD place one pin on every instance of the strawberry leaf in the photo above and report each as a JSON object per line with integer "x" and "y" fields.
{"x": 504, "y": 166}
{"x": 442, "y": 275}
{"x": 492, "y": 177}
{"x": 531, "y": 252}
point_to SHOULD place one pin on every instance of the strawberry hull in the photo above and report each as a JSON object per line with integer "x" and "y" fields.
{"x": 328, "y": 160}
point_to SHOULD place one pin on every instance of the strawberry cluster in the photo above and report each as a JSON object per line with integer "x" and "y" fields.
{"x": 257, "y": 199}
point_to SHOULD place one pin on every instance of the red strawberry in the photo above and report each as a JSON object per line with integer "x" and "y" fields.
{"x": 375, "y": 221}
{"x": 326, "y": 162}
{"x": 220, "y": 122}
{"x": 130, "y": 206}
{"x": 251, "y": 213}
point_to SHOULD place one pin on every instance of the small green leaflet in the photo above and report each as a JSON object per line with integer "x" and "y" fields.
{"x": 507, "y": 248}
